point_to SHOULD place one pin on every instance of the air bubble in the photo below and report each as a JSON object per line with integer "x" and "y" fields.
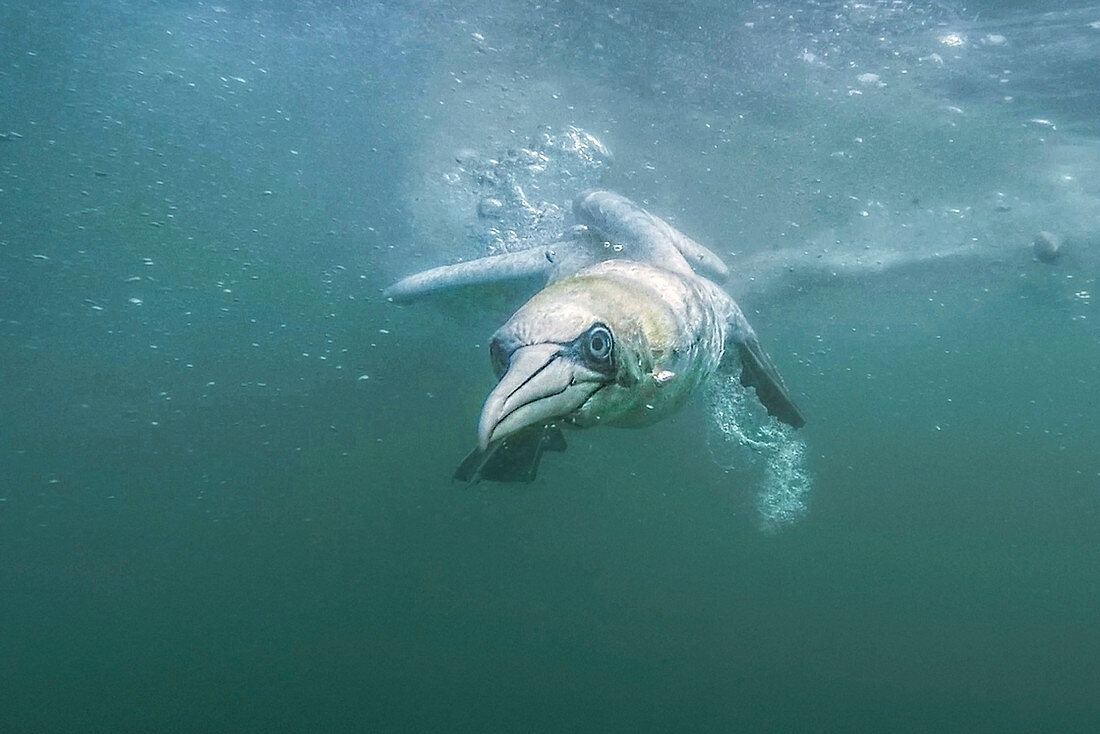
{"x": 739, "y": 420}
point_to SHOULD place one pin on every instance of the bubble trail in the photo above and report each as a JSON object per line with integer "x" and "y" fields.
{"x": 738, "y": 421}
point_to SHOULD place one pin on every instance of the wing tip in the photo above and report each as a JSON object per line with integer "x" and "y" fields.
{"x": 759, "y": 373}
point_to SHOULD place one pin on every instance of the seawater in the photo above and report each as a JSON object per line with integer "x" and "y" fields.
{"x": 225, "y": 459}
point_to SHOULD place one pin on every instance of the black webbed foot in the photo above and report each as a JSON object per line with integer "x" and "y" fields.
{"x": 515, "y": 459}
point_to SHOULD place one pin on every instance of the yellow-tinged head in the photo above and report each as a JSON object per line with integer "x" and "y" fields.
{"x": 618, "y": 344}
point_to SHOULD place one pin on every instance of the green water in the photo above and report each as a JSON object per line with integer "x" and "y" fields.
{"x": 225, "y": 501}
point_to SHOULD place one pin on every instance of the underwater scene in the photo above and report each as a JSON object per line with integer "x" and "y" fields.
{"x": 549, "y": 365}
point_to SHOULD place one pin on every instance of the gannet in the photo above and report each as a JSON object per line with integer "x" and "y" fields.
{"x": 631, "y": 322}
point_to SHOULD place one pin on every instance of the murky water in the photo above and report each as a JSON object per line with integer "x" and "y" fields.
{"x": 225, "y": 459}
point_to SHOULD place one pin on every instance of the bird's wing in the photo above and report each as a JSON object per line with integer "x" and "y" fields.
{"x": 492, "y": 269}
{"x": 702, "y": 260}
{"x": 644, "y": 236}
{"x": 758, "y": 371}
{"x": 611, "y": 226}
{"x": 578, "y": 249}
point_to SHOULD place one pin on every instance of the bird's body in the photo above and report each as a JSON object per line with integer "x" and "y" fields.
{"x": 669, "y": 329}
{"x": 630, "y": 324}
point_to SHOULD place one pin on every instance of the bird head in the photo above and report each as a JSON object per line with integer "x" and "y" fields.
{"x": 576, "y": 353}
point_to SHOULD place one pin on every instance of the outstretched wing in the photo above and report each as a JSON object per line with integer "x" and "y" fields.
{"x": 610, "y": 226}
{"x": 759, "y": 372}
{"x": 579, "y": 249}
{"x": 644, "y": 236}
{"x": 492, "y": 269}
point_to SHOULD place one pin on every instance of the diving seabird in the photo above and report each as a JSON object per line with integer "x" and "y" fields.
{"x": 632, "y": 320}
{"x": 1047, "y": 247}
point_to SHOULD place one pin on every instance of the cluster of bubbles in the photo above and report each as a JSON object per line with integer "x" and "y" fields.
{"x": 740, "y": 422}
{"x": 522, "y": 195}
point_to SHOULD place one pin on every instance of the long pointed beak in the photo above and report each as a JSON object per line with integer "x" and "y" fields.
{"x": 541, "y": 384}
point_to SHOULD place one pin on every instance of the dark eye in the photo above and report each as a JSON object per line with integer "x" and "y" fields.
{"x": 598, "y": 343}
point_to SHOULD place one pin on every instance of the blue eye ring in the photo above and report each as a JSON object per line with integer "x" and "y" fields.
{"x": 598, "y": 343}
